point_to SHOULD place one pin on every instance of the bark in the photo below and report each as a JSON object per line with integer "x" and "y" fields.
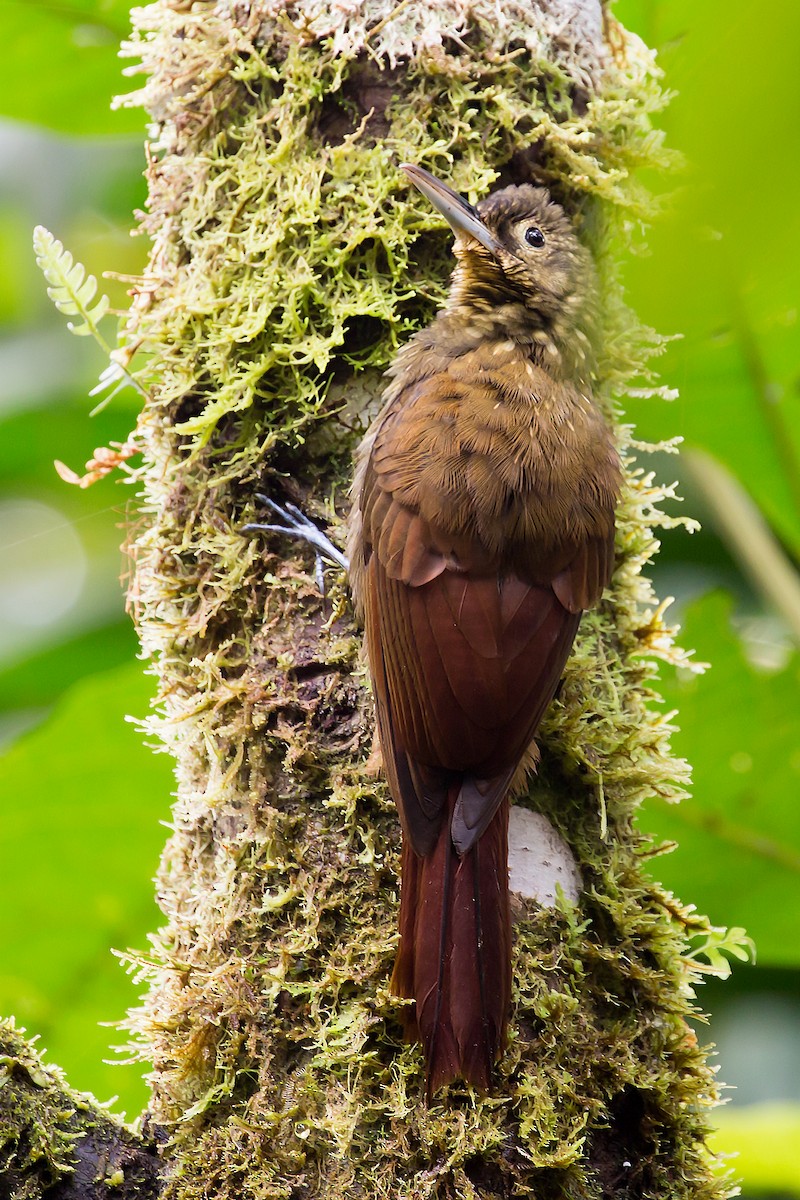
{"x": 288, "y": 260}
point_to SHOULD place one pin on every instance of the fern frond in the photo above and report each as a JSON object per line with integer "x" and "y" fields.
{"x": 708, "y": 953}
{"x": 71, "y": 289}
{"x": 73, "y": 292}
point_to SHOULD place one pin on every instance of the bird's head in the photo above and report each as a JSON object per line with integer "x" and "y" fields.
{"x": 518, "y": 256}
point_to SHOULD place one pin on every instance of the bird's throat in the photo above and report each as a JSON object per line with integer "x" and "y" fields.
{"x": 487, "y": 305}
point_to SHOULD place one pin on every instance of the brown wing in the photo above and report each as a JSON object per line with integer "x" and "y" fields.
{"x": 470, "y": 616}
{"x": 464, "y": 668}
{"x": 580, "y": 585}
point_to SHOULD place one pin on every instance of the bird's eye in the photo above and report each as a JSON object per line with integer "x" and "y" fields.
{"x": 534, "y": 236}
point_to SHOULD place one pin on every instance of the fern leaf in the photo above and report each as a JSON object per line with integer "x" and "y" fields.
{"x": 71, "y": 289}
{"x": 73, "y": 292}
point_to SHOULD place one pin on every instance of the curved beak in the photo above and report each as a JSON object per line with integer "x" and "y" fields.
{"x": 460, "y": 216}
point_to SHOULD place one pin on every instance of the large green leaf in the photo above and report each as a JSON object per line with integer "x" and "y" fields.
{"x": 739, "y": 833}
{"x": 761, "y": 1141}
{"x": 38, "y": 680}
{"x": 61, "y": 428}
{"x": 53, "y": 534}
{"x": 60, "y": 64}
{"x": 79, "y": 842}
{"x": 723, "y": 271}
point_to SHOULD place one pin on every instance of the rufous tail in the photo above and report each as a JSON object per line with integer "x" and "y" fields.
{"x": 455, "y": 952}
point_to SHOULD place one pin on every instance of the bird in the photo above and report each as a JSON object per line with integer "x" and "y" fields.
{"x": 482, "y": 526}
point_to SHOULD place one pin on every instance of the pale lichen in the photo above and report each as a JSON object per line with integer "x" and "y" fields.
{"x": 289, "y": 261}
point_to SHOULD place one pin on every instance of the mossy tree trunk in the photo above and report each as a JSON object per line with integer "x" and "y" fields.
{"x": 289, "y": 259}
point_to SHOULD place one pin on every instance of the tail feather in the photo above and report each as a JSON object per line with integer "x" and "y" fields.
{"x": 455, "y": 952}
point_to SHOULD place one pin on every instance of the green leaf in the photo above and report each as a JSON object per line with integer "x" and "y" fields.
{"x": 61, "y": 67}
{"x": 39, "y": 679}
{"x": 71, "y": 289}
{"x": 762, "y": 1140}
{"x": 712, "y": 952}
{"x": 73, "y": 292}
{"x": 79, "y": 843}
{"x": 738, "y": 856}
{"x": 722, "y": 270}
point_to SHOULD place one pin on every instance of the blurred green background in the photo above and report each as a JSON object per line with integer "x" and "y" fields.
{"x": 82, "y": 797}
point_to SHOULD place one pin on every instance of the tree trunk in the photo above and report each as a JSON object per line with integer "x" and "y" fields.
{"x": 289, "y": 260}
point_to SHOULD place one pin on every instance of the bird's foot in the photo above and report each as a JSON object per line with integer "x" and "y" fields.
{"x": 295, "y": 524}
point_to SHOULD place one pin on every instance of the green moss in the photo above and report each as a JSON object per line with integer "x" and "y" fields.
{"x": 289, "y": 261}
{"x": 37, "y": 1127}
{"x": 57, "y": 1142}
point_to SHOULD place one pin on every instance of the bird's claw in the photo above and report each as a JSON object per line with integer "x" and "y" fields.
{"x": 297, "y": 525}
